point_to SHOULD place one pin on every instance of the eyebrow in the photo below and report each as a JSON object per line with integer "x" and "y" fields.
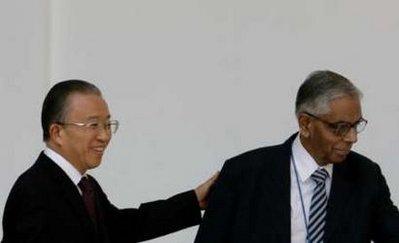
{"x": 345, "y": 122}
{"x": 97, "y": 117}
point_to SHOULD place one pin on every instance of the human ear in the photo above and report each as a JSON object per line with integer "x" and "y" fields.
{"x": 304, "y": 125}
{"x": 56, "y": 134}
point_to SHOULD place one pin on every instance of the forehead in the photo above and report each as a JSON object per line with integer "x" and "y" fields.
{"x": 86, "y": 106}
{"x": 345, "y": 109}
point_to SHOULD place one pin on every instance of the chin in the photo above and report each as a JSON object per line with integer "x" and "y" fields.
{"x": 338, "y": 159}
{"x": 94, "y": 163}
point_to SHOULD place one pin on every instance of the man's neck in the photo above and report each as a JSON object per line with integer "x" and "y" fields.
{"x": 61, "y": 153}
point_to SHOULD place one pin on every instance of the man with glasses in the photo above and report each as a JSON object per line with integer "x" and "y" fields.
{"x": 57, "y": 201}
{"x": 312, "y": 188}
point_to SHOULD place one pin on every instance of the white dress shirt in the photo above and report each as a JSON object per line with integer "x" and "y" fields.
{"x": 305, "y": 165}
{"x": 67, "y": 167}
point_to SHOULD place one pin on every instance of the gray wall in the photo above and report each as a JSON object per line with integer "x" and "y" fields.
{"x": 24, "y": 79}
{"x": 192, "y": 82}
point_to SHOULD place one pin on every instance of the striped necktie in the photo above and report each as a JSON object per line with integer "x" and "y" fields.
{"x": 318, "y": 206}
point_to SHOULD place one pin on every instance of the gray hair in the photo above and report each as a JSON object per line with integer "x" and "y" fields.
{"x": 320, "y": 88}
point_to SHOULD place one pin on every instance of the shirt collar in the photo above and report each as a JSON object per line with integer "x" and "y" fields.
{"x": 305, "y": 163}
{"x": 66, "y": 166}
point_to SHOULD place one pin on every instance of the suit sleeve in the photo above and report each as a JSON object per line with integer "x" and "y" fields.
{"x": 152, "y": 219}
{"x": 162, "y": 217}
{"x": 386, "y": 223}
{"x": 218, "y": 218}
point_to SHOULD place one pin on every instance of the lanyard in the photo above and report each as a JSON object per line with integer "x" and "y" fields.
{"x": 300, "y": 194}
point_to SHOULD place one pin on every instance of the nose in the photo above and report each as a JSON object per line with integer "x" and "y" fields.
{"x": 104, "y": 134}
{"x": 351, "y": 136}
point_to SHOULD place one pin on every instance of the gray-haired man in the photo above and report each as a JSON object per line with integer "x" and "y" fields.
{"x": 312, "y": 188}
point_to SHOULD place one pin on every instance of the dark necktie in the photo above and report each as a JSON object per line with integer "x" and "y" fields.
{"x": 318, "y": 206}
{"x": 89, "y": 197}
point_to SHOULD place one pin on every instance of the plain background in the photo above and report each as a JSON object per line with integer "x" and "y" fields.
{"x": 192, "y": 82}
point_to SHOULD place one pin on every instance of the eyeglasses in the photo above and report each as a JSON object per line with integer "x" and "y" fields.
{"x": 342, "y": 128}
{"x": 95, "y": 126}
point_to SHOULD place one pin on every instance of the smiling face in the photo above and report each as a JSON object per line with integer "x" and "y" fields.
{"x": 83, "y": 146}
{"x": 319, "y": 139}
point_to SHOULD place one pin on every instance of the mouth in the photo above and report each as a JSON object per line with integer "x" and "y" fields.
{"x": 99, "y": 150}
{"x": 342, "y": 152}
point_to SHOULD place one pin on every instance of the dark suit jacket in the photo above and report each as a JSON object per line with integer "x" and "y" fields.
{"x": 45, "y": 206}
{"x": 251, "y": 201}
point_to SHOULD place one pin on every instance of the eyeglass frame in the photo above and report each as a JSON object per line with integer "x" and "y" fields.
{"x": 334, "y": 126}
{"x": 89, "y": 125}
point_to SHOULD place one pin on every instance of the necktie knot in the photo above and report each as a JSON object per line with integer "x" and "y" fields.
{"x": 85, "y": 185}
{"x": 320, "y": 175}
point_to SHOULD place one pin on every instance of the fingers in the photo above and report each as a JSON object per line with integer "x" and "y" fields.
{"x": 212, "y": 179}
{"x": 203, "y": 190}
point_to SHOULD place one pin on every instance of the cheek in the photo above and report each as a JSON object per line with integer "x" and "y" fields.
{"x": 330, "y": 145}
{"x": 74, "y": 142}
{"x": 83, "y": 145}
{"x": 326, "y": 141}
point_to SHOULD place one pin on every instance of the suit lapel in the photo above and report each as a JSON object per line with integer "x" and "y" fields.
{"x": 101, "y": 224}
{"x": 66, "y": 188}
{"x": 281, "y": 193}
{"x": 341, "y": 191}
{"x": 275, "y": 190}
